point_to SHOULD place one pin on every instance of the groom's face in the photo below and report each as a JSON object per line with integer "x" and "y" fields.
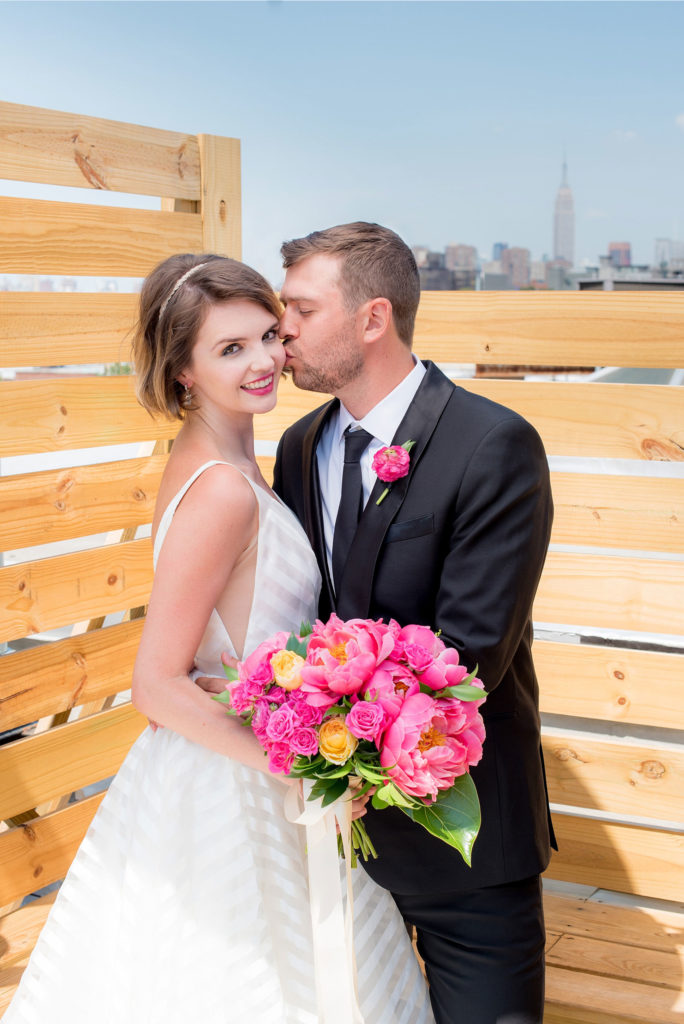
{"x": 321, "y": 336}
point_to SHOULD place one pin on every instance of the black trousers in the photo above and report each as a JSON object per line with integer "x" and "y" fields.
{"x": 483, "y": 952}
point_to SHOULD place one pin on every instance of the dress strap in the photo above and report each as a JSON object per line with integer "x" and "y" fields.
{"x": 170, "y": 509}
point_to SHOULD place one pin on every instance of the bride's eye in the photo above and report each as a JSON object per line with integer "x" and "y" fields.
{"x": 271, "y": 335}
{"x": 231, "y": 349}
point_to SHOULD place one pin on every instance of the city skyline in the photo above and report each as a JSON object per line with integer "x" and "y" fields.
{"x": 446, "y": 121}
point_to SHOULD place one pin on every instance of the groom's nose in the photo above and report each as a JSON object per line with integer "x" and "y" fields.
{"x": 287, "y": 326}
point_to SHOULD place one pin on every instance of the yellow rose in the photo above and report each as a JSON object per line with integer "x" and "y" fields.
{"x": 335, "y": 742}
{"x": 287, "y": 669}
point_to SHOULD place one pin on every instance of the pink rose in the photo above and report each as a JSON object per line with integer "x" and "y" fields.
{"x": 260, "y": 718}
{"x": 366, "y": 720}
{"x": 418, "y": 658}
{"x": 390, "y": 464}
{"x": 280, "y": 725}
{"x": 305, "y": 713}
{"x": 304, "y": 741}
{"x": 280, "y": 759}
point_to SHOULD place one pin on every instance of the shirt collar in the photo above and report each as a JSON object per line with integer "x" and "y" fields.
{"x": 384, "y": 418}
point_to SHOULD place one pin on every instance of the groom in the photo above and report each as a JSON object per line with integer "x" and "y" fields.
{"x": 458, "y": 545}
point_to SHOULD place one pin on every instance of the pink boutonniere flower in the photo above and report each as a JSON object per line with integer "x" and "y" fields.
{"x": 392, "y": 463}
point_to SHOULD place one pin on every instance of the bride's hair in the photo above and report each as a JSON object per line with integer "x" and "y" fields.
{"x": 174, "y": 301}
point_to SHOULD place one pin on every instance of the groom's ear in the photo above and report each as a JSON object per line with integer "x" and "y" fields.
{"x": 377, "y": 319}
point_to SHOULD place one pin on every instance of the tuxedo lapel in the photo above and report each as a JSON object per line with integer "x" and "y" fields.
{"x": 313, "y": 513}
{"x": 422, "y": 416}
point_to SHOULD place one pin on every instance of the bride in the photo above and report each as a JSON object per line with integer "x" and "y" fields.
{"x": 188, "y": 898}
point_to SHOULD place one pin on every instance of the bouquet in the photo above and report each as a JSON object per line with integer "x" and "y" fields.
{"x": 344, "y": 701}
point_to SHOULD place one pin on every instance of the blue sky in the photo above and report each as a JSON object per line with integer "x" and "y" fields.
{"x": 445, "y": 120}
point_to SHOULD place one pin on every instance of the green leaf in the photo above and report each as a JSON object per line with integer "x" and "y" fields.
{"x": 329, "y": 790}
{"x": 454, "y": 818}
{"x": 408, "y": 445}
{"x": 376, "y": 777}
{"x": 306, "y": 629}
{"x": 222, "y": 698}
{"x": 463, "y": 692}
{"x": 232, "y": 674}
{"x": 295, "y": 644}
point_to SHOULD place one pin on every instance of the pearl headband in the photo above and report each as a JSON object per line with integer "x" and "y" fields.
{"x": 177, "y": 285}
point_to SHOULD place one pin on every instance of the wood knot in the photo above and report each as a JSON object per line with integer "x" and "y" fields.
{"x": 59, "y": 505}
{"x": 111, "y": 579}
{"x": 661, "y": 450}
{"x": 223, "y": 211}
{"x": 652, "y": 769}
{"x": 38, "y": 871}
{"x": 566, "y": 754}
{"x": 78, "y": 659}
{"x": 139, "y": 495}
{"x": 618, "y": 674}
{"x": 29, "y": 833}
{"x": 66, "y": 482}
{"x": 622, "y": 701}
{"x": 61, "y": 429}
{"x": 63, "y": 410}
{"x": 595, "y": 514}
{"x": 22, "y": 585}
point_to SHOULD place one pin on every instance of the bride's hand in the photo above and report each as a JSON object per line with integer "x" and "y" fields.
{"x": 214, "y": 684}
{"x": 359, "y": 803}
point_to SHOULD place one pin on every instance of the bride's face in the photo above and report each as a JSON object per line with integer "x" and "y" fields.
{"x": 237, "y": 359}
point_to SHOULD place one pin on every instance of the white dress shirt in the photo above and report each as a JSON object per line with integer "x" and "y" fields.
{"x": 382, "y": 422}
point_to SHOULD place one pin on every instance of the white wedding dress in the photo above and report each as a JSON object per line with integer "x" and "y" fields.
{"x": 187, "y": 900}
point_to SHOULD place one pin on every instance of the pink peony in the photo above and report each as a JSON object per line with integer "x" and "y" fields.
{"x": 430, "y": 744}
{"x": 366, "y": 720}
{"x": 389, "y": 685}
{"x": 342, "y": 656}
{"x": 390, "y": 464}
{"x": 261, "y": 656}
{"x": 444, "y": 671}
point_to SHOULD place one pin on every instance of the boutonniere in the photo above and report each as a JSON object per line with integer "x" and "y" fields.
{"x": 391, "y": 463}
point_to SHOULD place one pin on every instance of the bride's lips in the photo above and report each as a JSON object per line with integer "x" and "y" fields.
{"x": 261, "y": 386}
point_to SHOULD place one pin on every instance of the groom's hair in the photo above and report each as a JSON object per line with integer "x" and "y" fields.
{"x": 374, "y": 263}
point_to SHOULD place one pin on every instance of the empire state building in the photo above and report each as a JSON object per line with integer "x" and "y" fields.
{"x": 564, "y": 223}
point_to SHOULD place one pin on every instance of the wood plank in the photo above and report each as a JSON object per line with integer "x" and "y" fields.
{"x": 614, "y": 960}
{"x": 650, "y": 927}
{"x": 66, "y": 758}
{"x": 221, "y": 195}
{"x": 625, "y": 858}
{"x": 627, "y": 421}
{"x": 552, "y": 328}
{"x": 612, "y": 592}
{"x": 60, "y": 414}
{"x": 623, "y": 421}
{"x": 41, "y": 595}
{"x": 610, "y": 684}
{"x": 56, "y": 677}
{"x": 630, "y": 779}
{"x": 42, "y": 237}
{"x": 37, "y": 328}
{"x": 618, "y": 511}
{"x": 573, "y": 997}
{"x": 39, "y": 508}
{"x": 41, "y": 852}
{"x": 20, "y": 930}
{"x": 58, "y": 148}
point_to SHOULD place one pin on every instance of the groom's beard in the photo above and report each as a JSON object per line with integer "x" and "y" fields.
{"x": 339, "y": 365}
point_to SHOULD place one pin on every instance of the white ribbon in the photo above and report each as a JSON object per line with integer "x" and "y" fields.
{"x": 333, "y": 938}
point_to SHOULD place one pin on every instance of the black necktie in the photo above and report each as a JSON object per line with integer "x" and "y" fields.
{"x": 351, "y": 500}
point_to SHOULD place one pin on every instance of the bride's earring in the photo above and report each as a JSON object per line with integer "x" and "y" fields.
{"x": 186, "y": 400}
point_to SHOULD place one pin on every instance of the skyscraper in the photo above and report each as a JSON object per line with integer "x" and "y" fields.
{"x": 564, "y": 223}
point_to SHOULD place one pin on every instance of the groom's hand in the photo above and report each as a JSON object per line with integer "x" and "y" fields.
{"x": 214, "y": 684}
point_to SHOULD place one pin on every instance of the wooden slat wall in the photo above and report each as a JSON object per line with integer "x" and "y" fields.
{"x": 197, "y": 180}
{"x": 598, "y": 687}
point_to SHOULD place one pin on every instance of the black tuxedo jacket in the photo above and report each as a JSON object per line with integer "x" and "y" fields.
{"x": 457, "y": 545}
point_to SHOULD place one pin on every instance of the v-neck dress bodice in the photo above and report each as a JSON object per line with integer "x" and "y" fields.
{"x": 188, "y": 899}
